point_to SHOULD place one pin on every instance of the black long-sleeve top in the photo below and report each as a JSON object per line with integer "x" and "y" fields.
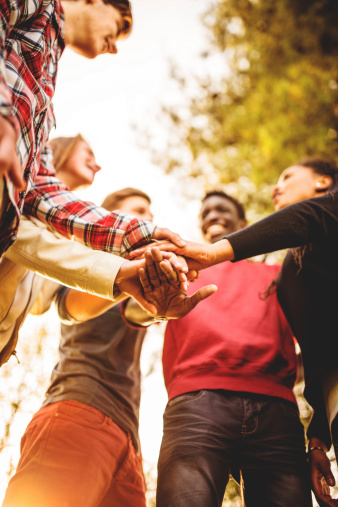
{"x": 307, "y": 287}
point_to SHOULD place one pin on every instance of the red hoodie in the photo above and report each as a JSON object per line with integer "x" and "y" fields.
{"x": 234, "y": 340}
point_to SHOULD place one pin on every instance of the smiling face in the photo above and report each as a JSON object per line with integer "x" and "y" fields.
{"x": 93, "y": 27}
{"x": 297, "y": 183}
{"x": 219, "y": 217}
{"x": 79, "y": 169}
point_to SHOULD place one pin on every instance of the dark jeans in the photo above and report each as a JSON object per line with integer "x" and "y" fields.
{"x": 210, "y": 434}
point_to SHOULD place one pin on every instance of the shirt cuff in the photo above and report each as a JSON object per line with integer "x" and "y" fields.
{"x": 102, "y": 274}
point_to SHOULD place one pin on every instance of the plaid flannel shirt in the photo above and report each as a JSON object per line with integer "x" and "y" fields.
{"x": 31, "y": 44}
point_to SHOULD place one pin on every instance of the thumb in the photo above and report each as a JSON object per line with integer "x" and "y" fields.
{"x": 201, "y": 294}
{"x": 329, "y": 477}
{"x": 148, "y": 307}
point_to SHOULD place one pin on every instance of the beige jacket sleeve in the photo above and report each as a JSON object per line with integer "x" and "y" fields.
{"x": 64, "y": 261}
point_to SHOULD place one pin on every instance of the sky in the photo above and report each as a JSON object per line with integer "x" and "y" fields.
{"x": 102, "y": 99}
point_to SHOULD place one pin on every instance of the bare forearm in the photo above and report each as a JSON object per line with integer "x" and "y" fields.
{"x": 82, "y": 306}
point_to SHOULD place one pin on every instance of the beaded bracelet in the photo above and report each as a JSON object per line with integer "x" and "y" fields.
{"x": 315, "y": 449}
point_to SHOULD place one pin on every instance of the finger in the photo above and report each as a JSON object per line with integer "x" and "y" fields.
{"x": 193, "y": 275}
{"x": 176, "y": 278}
{"x": 148, "y": 307}
{"x": 329, "y": 478}
{"x": 321, "y": 492}
{"x": 151, "y": 270}
{"x": 139, "y": 252}
{"x": 183, "y": 280}
{"x": 200, "y": 295}
{"x": 325, "y": 487}
{"x": 169, "y": 272}
{"x": 164, "y": 233}
{"x": 165, "y": 245}
{"x": 144, "y": 281}
{"x": 178, "y": 263}
{"x": 134, "y": 257}
{"x": 158, "y": 258}
{"x": 184, "y": 286}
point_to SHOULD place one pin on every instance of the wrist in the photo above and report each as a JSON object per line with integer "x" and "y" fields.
{"x": 316, "y": 444}
{"x": 121, "y": 274}
{"x": 222, "y": 251}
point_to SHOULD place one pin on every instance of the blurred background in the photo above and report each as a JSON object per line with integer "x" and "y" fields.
{"x": 204, "y": 93}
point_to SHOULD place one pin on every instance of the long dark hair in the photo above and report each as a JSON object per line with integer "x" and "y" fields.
{"x": 321, "y": 166}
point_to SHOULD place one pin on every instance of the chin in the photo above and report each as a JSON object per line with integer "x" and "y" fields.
{"x": 280, "y": 206}
{"x": 87, "y": 52}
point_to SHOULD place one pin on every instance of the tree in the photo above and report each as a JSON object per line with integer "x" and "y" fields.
{"x": 273, "y": 101}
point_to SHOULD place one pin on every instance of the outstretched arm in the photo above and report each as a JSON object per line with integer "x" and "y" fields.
{"x": 162, "y": 288}
{"x": 307, "y": 221}
{"x": 198, "y": 255}
{"x": 54, "y": 204}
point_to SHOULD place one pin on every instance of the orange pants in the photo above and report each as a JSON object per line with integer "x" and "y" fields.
{"x": 74, "y": 456}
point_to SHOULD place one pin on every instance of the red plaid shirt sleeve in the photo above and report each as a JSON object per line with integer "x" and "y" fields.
{"x": 5, "y": 92}
{"x": 51, "y": 202}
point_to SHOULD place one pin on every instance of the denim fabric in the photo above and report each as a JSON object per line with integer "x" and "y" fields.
{"x": 209, "y": 435}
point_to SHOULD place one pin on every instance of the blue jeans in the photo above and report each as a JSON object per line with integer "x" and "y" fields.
{"x": 209, "y": 435}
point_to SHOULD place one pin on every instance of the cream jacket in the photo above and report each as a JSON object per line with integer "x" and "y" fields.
{"x": 59, "y": 259}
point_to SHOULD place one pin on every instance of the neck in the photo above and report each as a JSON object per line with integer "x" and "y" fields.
{"x": 71, "y": 13}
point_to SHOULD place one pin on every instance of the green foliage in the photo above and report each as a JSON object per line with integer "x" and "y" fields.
{"x": 276, "y": 104}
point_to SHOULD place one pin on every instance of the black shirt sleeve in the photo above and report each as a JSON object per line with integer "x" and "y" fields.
{"x": 308, "y": 221}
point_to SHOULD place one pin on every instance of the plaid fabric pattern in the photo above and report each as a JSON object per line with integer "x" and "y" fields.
{"x": 52, "y": 203}
{"x": 31, "y": 44}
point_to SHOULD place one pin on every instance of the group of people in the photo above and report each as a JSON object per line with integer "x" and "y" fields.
{"x": 229, "y": 365}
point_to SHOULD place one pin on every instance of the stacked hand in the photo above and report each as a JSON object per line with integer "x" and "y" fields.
{"x": 128, "y": 282}
{"x": 163, "y": 290}
{"x": 197, "y": 255}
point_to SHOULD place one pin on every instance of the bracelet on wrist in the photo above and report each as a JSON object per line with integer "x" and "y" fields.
{"x": 159, "y": 319}
{"x": 315, "y": 448}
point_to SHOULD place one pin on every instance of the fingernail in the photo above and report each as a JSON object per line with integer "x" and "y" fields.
{"x": 182, "y": 243}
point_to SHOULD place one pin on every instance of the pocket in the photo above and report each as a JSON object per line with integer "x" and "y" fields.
{"x": 186, "y": 398}
{"x": 80, "y": 414}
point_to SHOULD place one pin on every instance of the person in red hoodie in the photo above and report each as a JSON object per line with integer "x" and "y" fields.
{"x": 229, "y": 368}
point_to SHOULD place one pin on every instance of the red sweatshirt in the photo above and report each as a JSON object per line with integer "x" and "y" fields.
{"x": 234, "y": 340}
